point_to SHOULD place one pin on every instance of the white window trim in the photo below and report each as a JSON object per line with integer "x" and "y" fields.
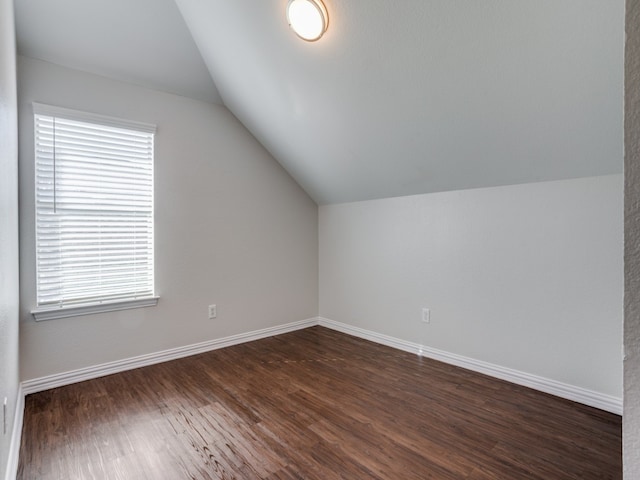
{"x": 53, "y": 313}
{"x": 42, "y": 109}
{"x": 57, "y": 312}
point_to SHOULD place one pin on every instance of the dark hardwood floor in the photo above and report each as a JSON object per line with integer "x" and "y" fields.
{"x": 313, "y": 405}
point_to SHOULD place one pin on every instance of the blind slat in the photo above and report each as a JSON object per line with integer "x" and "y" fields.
{"x": 94, "y": 212}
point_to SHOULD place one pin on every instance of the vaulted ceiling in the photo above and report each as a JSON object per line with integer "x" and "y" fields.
{"x": 397, "y": 98}
{"x": 145, "y": 42}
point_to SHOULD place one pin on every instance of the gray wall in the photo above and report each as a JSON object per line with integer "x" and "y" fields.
{"x": 528, "y": 277}
{"x": 8, "y": 226}
{"x": 232, "y": 228}
{"x": 631, "y": 427}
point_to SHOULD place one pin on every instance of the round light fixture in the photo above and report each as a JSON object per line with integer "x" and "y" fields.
{"x": 307, "y": 18}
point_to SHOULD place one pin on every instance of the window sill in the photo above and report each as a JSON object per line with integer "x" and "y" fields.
{"x": 52, "y": 313}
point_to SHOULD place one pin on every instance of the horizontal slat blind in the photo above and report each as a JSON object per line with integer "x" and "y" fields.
{"x": 94, "y": 211}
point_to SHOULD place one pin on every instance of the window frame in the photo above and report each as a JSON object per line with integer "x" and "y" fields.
{"x": 50, "y": 312}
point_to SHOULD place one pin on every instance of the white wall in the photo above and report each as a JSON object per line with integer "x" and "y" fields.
{"x": 631, "y": 421}
{"x": 8, "y": 227}
{"x": 527, "y": 277}
{"x": 232, "y": 228}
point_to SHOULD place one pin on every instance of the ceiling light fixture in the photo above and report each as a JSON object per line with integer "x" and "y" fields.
{"x": 307, "y": 18}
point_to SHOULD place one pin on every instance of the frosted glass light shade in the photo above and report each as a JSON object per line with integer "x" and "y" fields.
{"x": 307, "y": 18}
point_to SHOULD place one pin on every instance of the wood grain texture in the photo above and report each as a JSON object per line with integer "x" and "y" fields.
{"x": 314, "y": 405}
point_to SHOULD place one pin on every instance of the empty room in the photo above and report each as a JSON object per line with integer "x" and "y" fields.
{"x": 319, "y": 239}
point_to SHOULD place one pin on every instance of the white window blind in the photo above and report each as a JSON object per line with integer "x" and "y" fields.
{"x": 94, "y": 209}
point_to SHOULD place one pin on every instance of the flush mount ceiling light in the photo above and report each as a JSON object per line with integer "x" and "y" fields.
{"x": 307, "y": 18}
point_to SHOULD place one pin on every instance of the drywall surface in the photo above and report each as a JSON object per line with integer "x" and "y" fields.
{"x": 153, "y": 47}
{"x": 232, "y": 229}
{"x": 527, "y": 277}
{"x": 418, "y": 96}
{"x": 8, "y": 228}
{"x": 631, "y": 419}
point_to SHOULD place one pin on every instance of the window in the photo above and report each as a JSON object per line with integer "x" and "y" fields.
{"x": 94, "y": 213}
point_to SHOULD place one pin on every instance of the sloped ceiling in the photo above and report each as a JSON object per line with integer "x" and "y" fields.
{"x": 145, "y": 42}
{"x": 416, "y": 96}
{"x": 398, "y": 97}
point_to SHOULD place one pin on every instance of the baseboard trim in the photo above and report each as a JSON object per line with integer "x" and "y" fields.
{"x": 58, "y": 380}
{"x": 553, "y": 387}
{"x": 16, "y": 437}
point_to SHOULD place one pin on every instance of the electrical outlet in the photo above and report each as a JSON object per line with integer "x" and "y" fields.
{"x": 213, "y": 311}
{"x": 426, "y": 315}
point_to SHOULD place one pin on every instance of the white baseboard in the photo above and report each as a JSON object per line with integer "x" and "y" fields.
{"x": 88, "y": 373}
{"x": 553, "y": 387}
{"x": 16, "y": 437}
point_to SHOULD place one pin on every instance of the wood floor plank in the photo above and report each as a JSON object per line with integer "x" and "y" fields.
{"x": 314, "y": 405}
